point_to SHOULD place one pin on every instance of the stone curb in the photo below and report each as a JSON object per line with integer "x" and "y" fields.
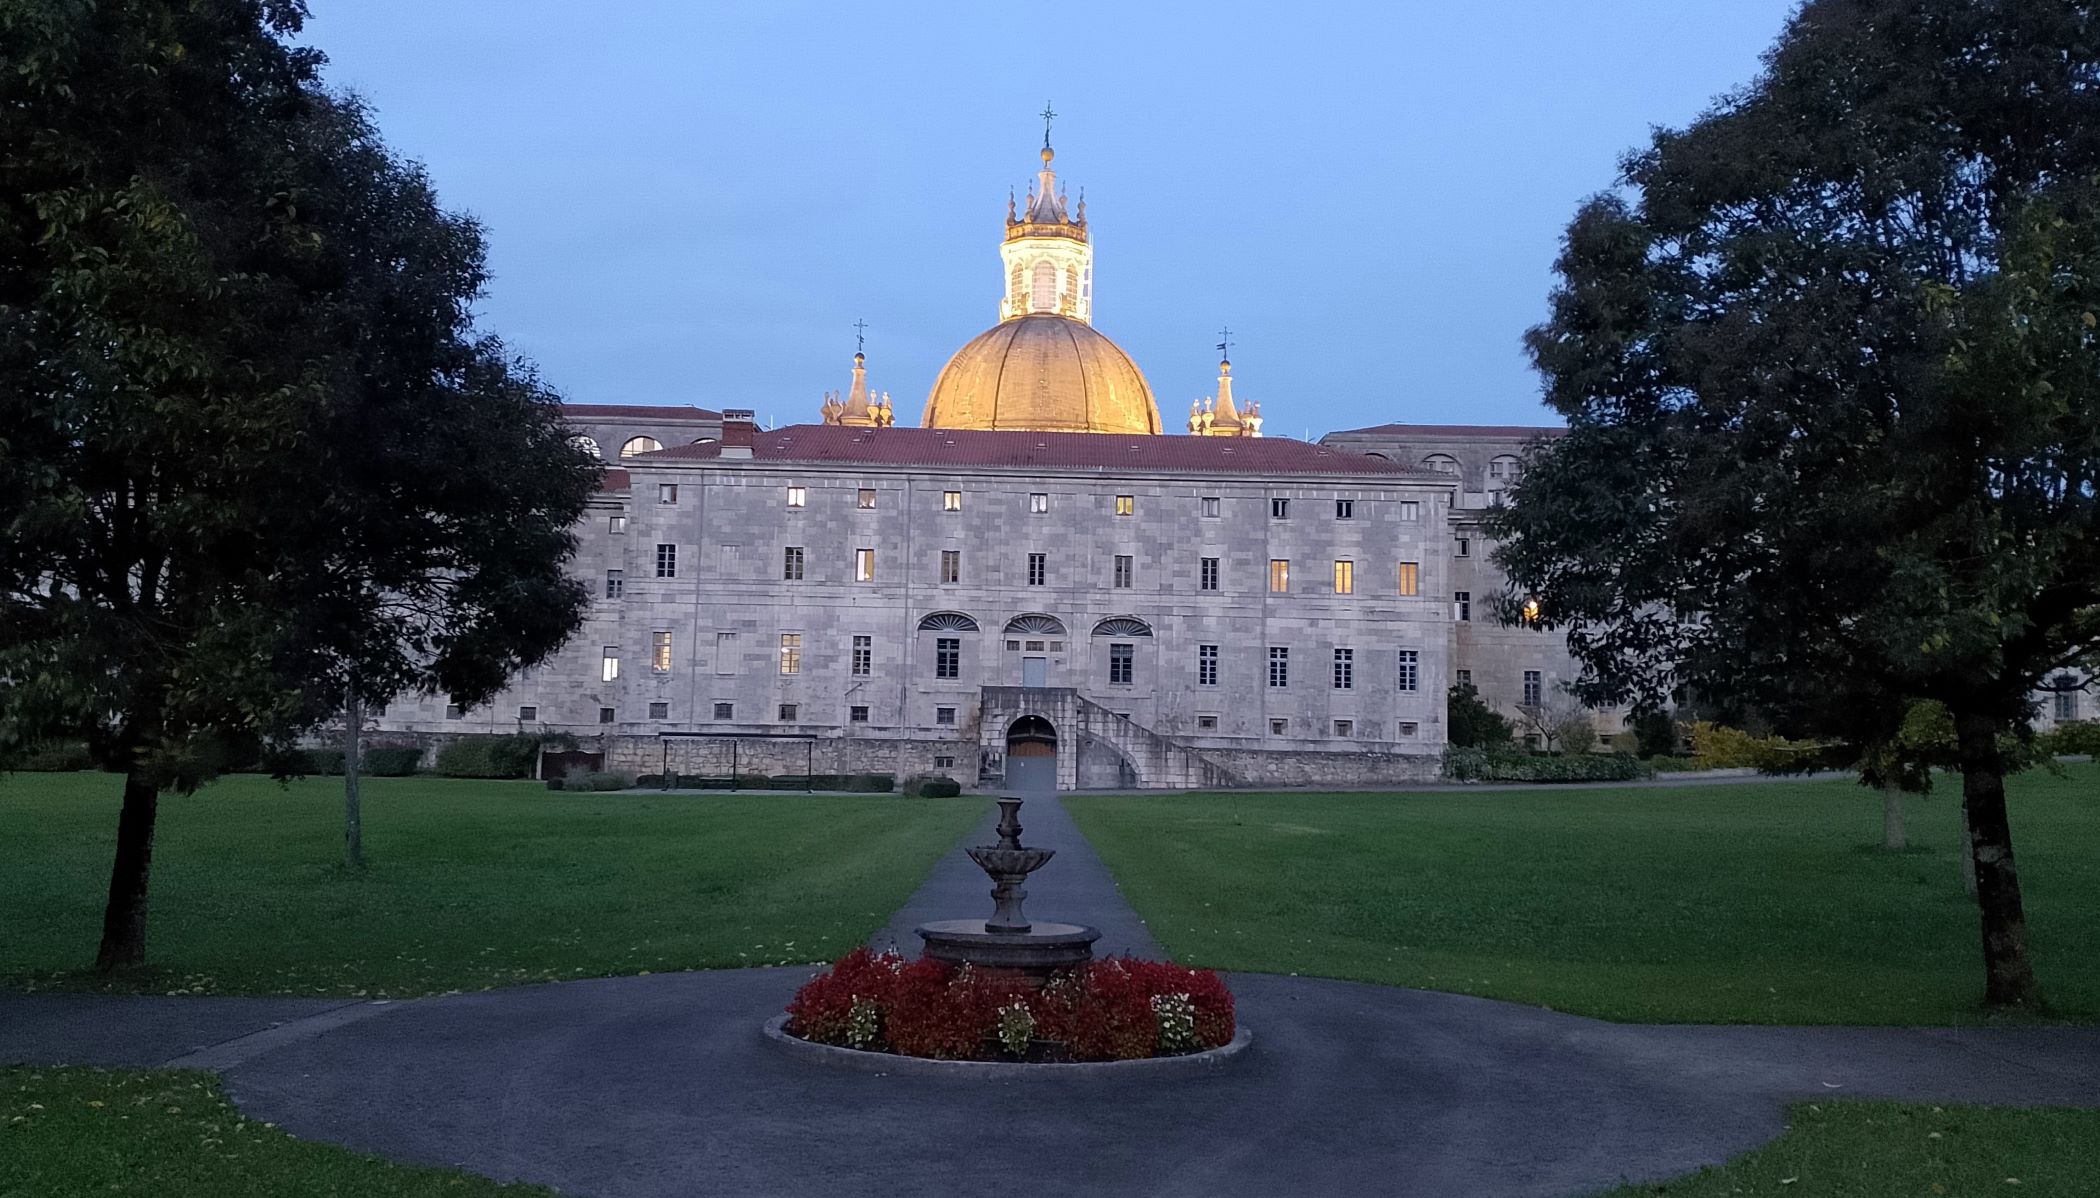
{"x": 1193, "y": 1064}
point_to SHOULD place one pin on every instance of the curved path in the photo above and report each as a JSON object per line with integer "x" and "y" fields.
{"x": 663, "y": 1085}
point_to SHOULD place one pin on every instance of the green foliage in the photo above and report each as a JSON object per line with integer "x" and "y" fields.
{"x": 931, "y": 786}
{"x": 1473, "y": 724}
{"x": 391, "y": 763}
{"x": 1719, "y": 747}
{"x": 2081, "y": 738}
{"x": 1484, "y": 765}
{"x": 868, "y": 783}
{"x": 502, "y": 756}
{"x": 1654, "y": 732}
{"x": 587, "y": 781}
{"x": 54, "y": 758}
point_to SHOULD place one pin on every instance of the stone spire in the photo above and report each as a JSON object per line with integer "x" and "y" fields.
{"x": 1049, "y": 267}
{"x": 1223, "y": 417}
{"x": 860, "y": 409}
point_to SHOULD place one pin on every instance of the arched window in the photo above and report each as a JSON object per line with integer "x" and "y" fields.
{"x": 1442, "y": 463}
{"x": 947, "y": 621}
{"x": 1042, "y": 296}
{"x": 1506, "y": 468}
{"x": 703, "y": 440}
{"x": 1035, "y": 624}
{"x": 1122, "y": 626}
{"x": 638, "y": 445}
{"x": 587, "y": 445}
{"x": 1381, "y": 457}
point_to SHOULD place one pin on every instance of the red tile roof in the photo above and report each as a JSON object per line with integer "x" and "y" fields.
{"x": 622, "y": 411}
{"x": 1049, "y": 451}
{"x": 1450, "y": 431}
{"x": 614, "y": 480}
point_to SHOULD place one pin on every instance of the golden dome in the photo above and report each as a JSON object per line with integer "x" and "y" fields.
{"x": 1042, "y": 373}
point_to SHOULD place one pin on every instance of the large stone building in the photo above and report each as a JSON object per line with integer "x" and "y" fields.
{"x": 1038, "y": 579}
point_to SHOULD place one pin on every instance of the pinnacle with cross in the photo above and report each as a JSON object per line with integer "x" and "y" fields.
{"x": 1047, "y": 116}
{"x": 860, "y": 336}
{"x": 1225, "y": 341}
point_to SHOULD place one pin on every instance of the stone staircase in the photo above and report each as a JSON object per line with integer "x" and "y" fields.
{"x": 1154, "y": 760}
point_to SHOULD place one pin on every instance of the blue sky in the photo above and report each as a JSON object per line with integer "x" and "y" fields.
{"x": 693, "y": 202}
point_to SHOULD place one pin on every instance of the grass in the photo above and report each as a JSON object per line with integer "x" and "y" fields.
{"x": 1899, "y": 1150}
{"x": 70, "y": 1133}
{"x": 1766, "y": 903}
{"x": 470, "y": 884}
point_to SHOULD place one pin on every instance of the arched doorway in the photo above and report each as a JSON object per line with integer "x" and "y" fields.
{"x": 1031, "y": 755}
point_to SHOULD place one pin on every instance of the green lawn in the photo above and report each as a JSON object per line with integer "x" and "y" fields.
{"x": 70, "y": 1133}
{"x": 1761, "y": 904}
{"x": 1898, "y": 1150}
{"x": 471, "y": 884}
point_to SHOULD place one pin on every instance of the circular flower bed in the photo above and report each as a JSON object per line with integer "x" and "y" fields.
{"x": 1118, "y": 1009}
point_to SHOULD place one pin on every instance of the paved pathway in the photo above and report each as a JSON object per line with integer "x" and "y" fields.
{"x": 649, "y": 1087}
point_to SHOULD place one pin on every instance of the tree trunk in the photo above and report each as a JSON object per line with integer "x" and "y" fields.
{"x": 2008, "y": 974}
{"x": 124, "y": 919}
{"x": 1965, "y": 856}
{"x": 1892, "y": 834}
{"x": 353, "y": 811}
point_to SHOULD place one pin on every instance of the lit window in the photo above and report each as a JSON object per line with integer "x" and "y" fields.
{"x": 615, "y": 583}
{"x": 1410, "y": 509}
{"x": 660, "y": 652}
{"x": 609, "y": 665}
{"x": 1344, "y": 728}
{"x": 1280, "y": 509}
{"x": 1206, "y": 723}
{"x": 725, "y": 653}
{"x": 863, "y": 656}
{"x": 639, "y": 445}
{"x": 667, "y": 492}
{"x": 951, "y": 501}
{"x": 1410, "y": 670}
{"x": 1279, "y": 666}
{"x": 857, "y": 715}
{"x": 791, "y": 563}
{"x": 1038, "y": 567}
{"x": 791, "y": 653}
{"x": 1206, "y": 665}
{"x": 1279, "y": 727}
{"x": 798, "y": 496}
{"x": 947, "y": 657}
{"x": 1038, "y": 503}
{"x": 1534, "y": 689}
{"x": 723, "y": 711}
{"x": 867, "y": 497}
{"x": 864, "y": 565}
{"x": 454, "y": 711}
{"x": 1463, "y": 547}
{"x": 667, "y": 561}
{"x": 1344, "y": 669}
{"x": 1126, "y": 504}
{"x": 1122, "y": 661}
{"x": 659, "y": 711}
{"x": 1207, "y": 572}
{"x": 951, "y": 565}
{"x": 1210, "y": 506}
{"x": 944, "y": 715}
{"x": 1124, "y": 565}
{"x": 1531, "y": 610}
{"x": 1462, "y": 606}
{"x": 790, "y": 712}
{"x": 1345, "y": 509}
{"x": 1279, "y": 575}
{"x": 1345, "y": 577}
{"x": 606, "y": 715}
{"x": 615, "y": 525}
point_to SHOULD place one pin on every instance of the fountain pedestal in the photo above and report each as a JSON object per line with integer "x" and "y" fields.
{"x": 1008, "y": 940}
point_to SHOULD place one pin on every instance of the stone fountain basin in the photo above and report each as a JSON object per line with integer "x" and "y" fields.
{"x": 995, "y": 860}
{"x": 1041, "y": 950}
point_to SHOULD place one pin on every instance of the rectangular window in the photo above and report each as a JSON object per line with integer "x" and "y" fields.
{"x": 867, "y": 498}
{"x": 1038, "y": 568}
{"x": 951, "y": 565}
{"x": 1125, "y": 564}
{"x": 1534, "y": 688}
{"x": 1206, "y": 665}
{"x": 1038, "y": 503}
{"x": 609, "y": 665}
{"x": 454, "y": 711}
{"x": 1210, "y": 508}
{"x": 798, "y": 497}
{"x": 943, "y": 763}
{"x": 1280, "y": 509}
{"x": 528, "y": 713}
{"x": 660, "y": 652}
{"x": 1344, "y": 669}
{"x": 863, "y": 656}
{"x": 659, "y": 711}
{"x": 790, "y": 712}
{"x": 1279, "y": 666}
{"x": 864, "y": 565}
{"x": 1410, "y": 578}
{"x": 944, "y": 715}
{"x": 1279, "y": 575}
{"x": 1462, "y": 677}
{"x": 1345, "y": 577}
{"x": 1206, "y": 723}
{"x": 1409, "y": 727}
{"x": 856, "y": 715}
{"x": 2066, "y": 702}
{"x": 1410, "y": 670}
{"x": 1345, "y": 509}
{"x": 1462, "y": 605}
{"x": 791, "y": 653}
{"x": 1345, "y": 728}
{"x": 1122, "y": 661}
{"x": 1463, "y": 547}
{"x": 606, "y": 715}
{"x": 615, "y": 583}
{"x": 725, "y": 653}
{"x": 1207, "y": 574}
{"x": 1279, "y": 727}
{"x": 615, "y": 525}
{"x": 667, "y": 492}
{"x": 723, "y": 711}
{"x": 1126, "y": 504}
{"x": 947, "y": 657}
{"x": 667, "y": 561}
{"x": 791, "y": 563}
{"x": 1410, "y": 509}
{"x": 951, "y": 501}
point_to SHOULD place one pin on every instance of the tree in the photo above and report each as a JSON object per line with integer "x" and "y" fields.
{"x": 257, "y": 462}
{"x": 1654, "y": 732}
{"x": 1828, "y": 362}
{"x": 1562, "y": 726}
{"x": 1473, "y": 724}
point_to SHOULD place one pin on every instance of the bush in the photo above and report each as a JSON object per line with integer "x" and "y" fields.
{"x": 391, "y": 763}
{"x": 1655, "y": 733}
{"x": 1480, "y": 765}
{"x": 489, "y": 757}
{"x": 64, "y": 757}
{"x": 1718, "y": 747}
{"x": 869, "y": 783}
{"x": 931, "y": 786}
{"x": 2072, "y": 739}
{"x": 1473, "y": 724}
{"x": 651, "y": 781}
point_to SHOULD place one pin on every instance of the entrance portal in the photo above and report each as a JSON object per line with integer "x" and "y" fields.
{"x": 1031, "y": 756}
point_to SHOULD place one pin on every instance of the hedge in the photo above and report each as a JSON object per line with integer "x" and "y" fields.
{"x": 2071, "y": 739}
{"x": 580, "y": 782}
{"x": 391, "y": 763}
{"x": 1477, "y": 765}
{"x": 59, "y": 758}
{"x": 489, "y": 757}
{"x": 931, "y": 786}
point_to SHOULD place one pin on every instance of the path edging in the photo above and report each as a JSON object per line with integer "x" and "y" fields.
{"x": 1192, "y": 1064}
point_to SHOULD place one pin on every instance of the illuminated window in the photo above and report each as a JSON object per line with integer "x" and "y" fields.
{"x": 1345, "y": 577}
{"x": 1279, "y": 666}
{"x": 864, "y": 565}
{"x": 1410, "y": 669}
{"x": 1410, "y": 578}
{"x": 791, "y": 653}
{"x": 791, "y": 564}
{"x": 1126, "y": 504}
{"x": 867, "y": 497}
{"x": 951, "y": 501}
{"x": 1344, "y": 669}
{"x": 951, "y": 565}
{"x": 660, "y": 652}
{"x": 1042, "y": 290}
{"x": 1531, "y": 610}
{"x": 637, "y": 445}
{"x": 1206, "y": 665}
{"x": 1279, "y": 575}
{"x": 863, "y": 656}
{"x": 609, "y": 665}
{"x": 797, "y": 496}
{"x": 1207, "y": 572}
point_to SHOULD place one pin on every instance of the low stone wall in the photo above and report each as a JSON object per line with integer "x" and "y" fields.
{"x": 1287, "y": 767}
{"x": 758, "y": 756}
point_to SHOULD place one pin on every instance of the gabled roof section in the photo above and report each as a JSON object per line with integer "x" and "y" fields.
{"x": 821, "y": 443}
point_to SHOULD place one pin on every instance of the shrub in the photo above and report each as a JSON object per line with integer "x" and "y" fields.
{"x": 651, "y": 781}
{"x": 1717, "y": 746}
{"x": 489, "y": 757}
{"x": 931, "y": 786}
{"x": 602, "y": 781}
{"x": 391, "y": 763}
{"x": 822, "y": 1009}
{"x": 62, "y": 757}
{"x": 1655, "y": 733}
{"x": 2081, "y": 737}
{"x": 1473, "y": 724}
{"x": 1479, "y": 765}
{"x": 870, "y": 783}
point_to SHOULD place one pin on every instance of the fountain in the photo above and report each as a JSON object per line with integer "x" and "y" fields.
{"x": 1008, "y": 940}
